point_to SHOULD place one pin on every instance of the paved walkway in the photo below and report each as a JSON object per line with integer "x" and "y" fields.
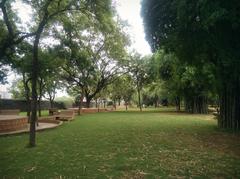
{"x": 41, "y": 126}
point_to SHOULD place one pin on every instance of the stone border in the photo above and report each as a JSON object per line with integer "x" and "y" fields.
{"x": 10, "y": 123}
{"x": 38, "y": 130}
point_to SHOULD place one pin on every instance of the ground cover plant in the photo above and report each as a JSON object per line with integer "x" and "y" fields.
{"x": 148, "y": 144}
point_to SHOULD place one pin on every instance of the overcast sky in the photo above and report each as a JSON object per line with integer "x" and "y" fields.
{"x": 128, "y": 10}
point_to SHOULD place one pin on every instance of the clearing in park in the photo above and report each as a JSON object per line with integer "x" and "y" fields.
{"x": 132, "y": 144}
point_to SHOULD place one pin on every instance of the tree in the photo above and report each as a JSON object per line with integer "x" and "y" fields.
{"x": 183, "y": 81}
{"x": 17, "y": 90}
{"x": 49, "y": 75}
{"x": 152, "y": 93}
{"x": 22, "y": 65}
{"x": 201, "y": 32}
{"x": 138, "y": 67}
{"x": 122, "y": 88}
{"x": 92, "y": 56}
{"x": 46, "y": 13}
{"x": 52, "y": 84}
{"x": 11, "y": 36}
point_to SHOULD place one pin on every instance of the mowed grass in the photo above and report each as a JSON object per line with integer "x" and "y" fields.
{"x": 43, "y": 113}
{"x": 151, "y": 144}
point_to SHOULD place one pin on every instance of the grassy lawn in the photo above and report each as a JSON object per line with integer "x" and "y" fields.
{"x": 43, "y": 112}
{"x": 150, "y": 144}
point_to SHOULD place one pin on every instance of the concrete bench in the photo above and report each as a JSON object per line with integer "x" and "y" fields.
{"x": 65, "y": 115}
{"x": 9, "y": 111}
{"x": 53, "y": 111}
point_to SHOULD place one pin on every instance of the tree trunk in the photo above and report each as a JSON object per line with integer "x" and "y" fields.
{"x": 119, "y": 101}
{"x": 32, "y": 137}
{"x": 41, "y": 86}
{"x": 51, "y": 103}
{"x": 114, "y": 104}
{"x": 39, "y": 107}
{"x": 156, "y": 101}
{"x": 80, "y": 105}
{"x": 88, "y": 102}
{"x": 230, "y": 106}
{"x": 196, "y": 105}
{"x": 35, "y": 71}
{"x": 178, "y": 104}
{"x": 126, "y": 104}
{"x": 27, "y": 96}
{"x": 139, "y": 98}
{"x": 96, "y": 105}
{"x": 29, "y": 109}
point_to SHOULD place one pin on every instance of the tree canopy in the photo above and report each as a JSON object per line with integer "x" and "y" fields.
{"x": 200, "y": 32}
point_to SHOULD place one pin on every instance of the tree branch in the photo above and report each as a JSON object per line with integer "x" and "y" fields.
{"x": 6, "y": 19}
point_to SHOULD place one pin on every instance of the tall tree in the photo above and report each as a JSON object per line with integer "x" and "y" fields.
{"x": 138, "y": 67}
{"x": 184, "y": 81}
{"x": 45, "y": 14}
{"x": 22, "y": 65}
{"x": 201, "y": 31}
{"x": 93, "y": 55}
{"x": 122, "y": 88}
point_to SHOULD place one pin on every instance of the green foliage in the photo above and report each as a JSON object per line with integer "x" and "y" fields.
{"x": 152, "y": 93}
{"x": 197, "y": 32}
{"x": 180, "y": 80}
{"x": 122, "y": 88}
{"x": 17, "y": 90}
{"x": 139, "y": 68}
{"x": 92, "y": 55}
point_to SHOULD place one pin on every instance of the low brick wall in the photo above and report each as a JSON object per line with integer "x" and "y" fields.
{"x": 89, "y": 110}
{"x": 13, "y": 124}
{"x": 9, "y": 111}
{"x": 74, "y": 109}
{"x": 102, "y": 110}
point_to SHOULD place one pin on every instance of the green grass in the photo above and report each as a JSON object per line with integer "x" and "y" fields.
{"x": 43, "y": 112}
{"x": 122, "y": 144}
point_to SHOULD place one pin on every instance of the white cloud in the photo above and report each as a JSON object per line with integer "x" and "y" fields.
{"x": 130, "y": 10}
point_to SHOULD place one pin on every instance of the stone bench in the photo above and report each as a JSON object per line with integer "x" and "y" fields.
{"x": 65, "y": 115}
{"x": 53, "y": 111}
